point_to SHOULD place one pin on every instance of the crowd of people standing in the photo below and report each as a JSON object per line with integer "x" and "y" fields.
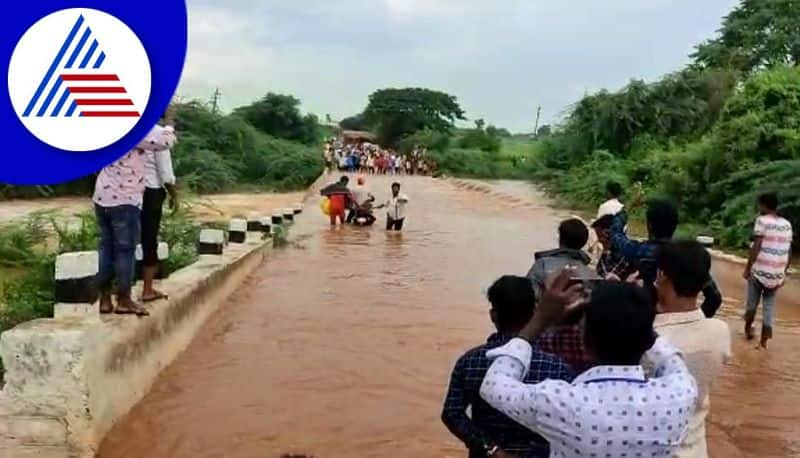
{"x": 366, "y": 157}
{"x": 613, "y": 358}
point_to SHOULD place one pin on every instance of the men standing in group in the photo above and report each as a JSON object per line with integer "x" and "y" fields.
{"x": 487, "y": 432}
{"x": 395, "y": 209}
{"x": 612, "y": 409}
{"x": 705, "y": 343}
{"x": 118, "y": 195}
{"x": 767, "y": 265}
{"x": 159, "y": 179}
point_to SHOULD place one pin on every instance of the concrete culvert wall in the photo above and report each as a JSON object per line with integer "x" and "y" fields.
{"x": 70, "y": 378}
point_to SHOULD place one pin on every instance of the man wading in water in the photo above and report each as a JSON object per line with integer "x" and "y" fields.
{"x": 767, "y": 265}
{"x": 395, "y": 209}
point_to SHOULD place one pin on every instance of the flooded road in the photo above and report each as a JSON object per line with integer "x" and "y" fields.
{"x": 342, "y": 345}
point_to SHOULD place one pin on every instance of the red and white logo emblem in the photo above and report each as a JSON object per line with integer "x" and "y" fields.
{"x": 79, "y": 79}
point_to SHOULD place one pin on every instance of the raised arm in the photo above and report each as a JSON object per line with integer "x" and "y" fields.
{"x": 531, "y": 405}
{"x": 620, "y": 243}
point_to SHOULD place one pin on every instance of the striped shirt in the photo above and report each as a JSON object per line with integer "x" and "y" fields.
{"x": 770, "y": 265}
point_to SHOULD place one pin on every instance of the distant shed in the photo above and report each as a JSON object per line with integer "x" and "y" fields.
{"x": 357, "y": 136}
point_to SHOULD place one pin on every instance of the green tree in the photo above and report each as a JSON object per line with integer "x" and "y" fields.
{"x": 756, "y": 34}
{"x": 355, "y": 122}
{"x": 279, "y": 115}
{"x": 396, "y": 113}
{"x": 544, "y": 131}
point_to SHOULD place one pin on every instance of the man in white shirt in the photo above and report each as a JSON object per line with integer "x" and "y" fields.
{"x": 362, "y": 200}
{"x": 705, "y": 343}
{"x": 395, "y": 209}
{"x": 159, "y": 180}
{"x": 612, "y": 409}
{"x": 612, "y": 206}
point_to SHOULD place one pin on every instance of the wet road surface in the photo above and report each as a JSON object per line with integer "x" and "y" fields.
{"x": 341, "y": 346}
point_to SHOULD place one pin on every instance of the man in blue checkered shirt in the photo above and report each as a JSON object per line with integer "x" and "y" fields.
{"x": 487, "y": 432}
{"x": 662, "y": 221}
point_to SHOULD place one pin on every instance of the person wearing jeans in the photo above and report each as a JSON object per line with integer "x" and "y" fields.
{"x": 767, "y": 265}
{"x": 118, "y": 197}
{"x": 758, "y": 293}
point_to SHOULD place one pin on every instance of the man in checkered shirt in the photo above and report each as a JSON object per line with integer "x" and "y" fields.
{"x": 488, "y": 432}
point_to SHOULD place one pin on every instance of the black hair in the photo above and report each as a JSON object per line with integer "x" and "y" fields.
{"x": 603, "y": 223}
{"x": 687, "y": 264}
{"x": 619, "y": 323}
{"x": 513, "y": 301}
{"x": 769, "y": 200}
{"x": 614, "y": 189}
{"x": 344, "y": 179}
{"x": 572, "y": 233}
{"x": 395, "y": 184}
{"x": 662, "y": 218}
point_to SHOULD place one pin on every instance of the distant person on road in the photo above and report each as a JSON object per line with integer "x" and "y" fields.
{"x": 612, "y": 205}
{"x": 159, "y": 180}
{"x": 705, "y": 343}
{"x": 572, "y": 238}
{"x": 118, "y": 195}
{"x": 487, "y": 432}
{"x": 395, "y": 209}
{"x": 662, "y": 221}
{"x": 767, "y": 265}
{"x": 339, "y": 196}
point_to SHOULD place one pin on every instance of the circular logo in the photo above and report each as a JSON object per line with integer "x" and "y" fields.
{"x": 79, "y": 79}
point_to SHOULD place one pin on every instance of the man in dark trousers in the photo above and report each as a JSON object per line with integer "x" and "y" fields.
{"x": 488, "y": 432}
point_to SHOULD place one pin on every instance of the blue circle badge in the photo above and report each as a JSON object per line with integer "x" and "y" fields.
{"x": 85, "y": 84}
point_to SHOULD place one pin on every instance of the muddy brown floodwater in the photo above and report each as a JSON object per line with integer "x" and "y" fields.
{"x": 342, "y": 345}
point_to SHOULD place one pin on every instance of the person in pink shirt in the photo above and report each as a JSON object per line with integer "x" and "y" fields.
{"x": 118, "y": 194}
{"x": 767, "y": 265}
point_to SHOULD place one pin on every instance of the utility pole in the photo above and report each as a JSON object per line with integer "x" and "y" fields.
{"x": 215, "y": 101}
{"x": 536, "y": 126}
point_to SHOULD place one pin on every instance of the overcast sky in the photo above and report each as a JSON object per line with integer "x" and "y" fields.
{"x": 501, "y": 58}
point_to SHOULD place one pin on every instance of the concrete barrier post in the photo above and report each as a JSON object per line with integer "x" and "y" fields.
{"x": 266, "y": 225}
{"x": 76, "y": 284}
{"x": 163, "y": 254}
{"x": 705, "y": 240}
{"x": 288, "y": 215}
{"x": 211, "y": 241}
{"x": 298, "y": 208}
{"x": 237, "y": 231}
{"x": 76, "y": 277}
{"x": 254, "y": 224}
